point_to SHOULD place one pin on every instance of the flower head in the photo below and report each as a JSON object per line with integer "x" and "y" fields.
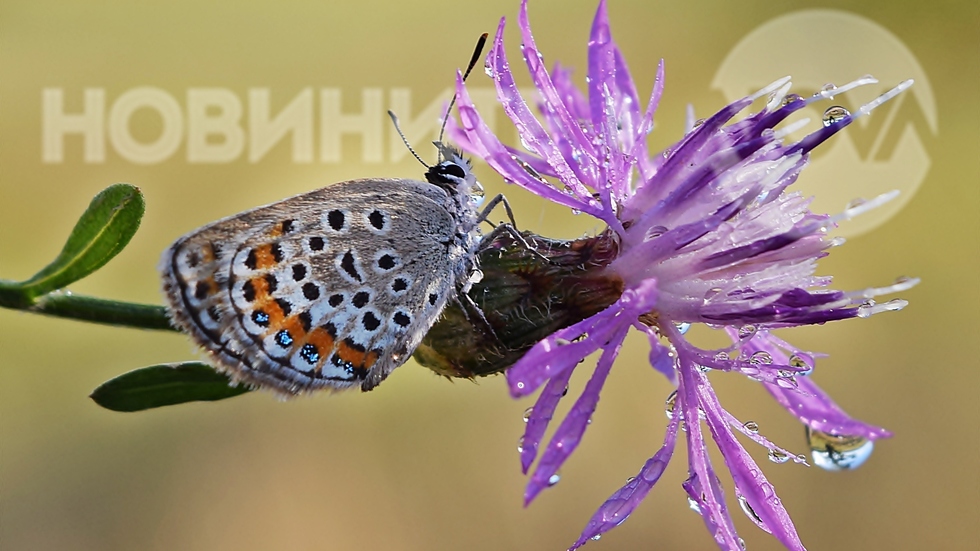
{"x": 708, "y": 232}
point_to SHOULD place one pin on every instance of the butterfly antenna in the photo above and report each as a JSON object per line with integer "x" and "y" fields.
{"x": 394, "y": 120}
{"x": 469, "y": 68}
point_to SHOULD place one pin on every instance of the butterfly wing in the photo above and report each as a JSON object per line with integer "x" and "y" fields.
{"x": 329, "y": 289}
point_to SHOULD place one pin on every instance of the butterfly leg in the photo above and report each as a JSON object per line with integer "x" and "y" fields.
{"x": 468, "y": 307}
{"x": 508, "y": 228}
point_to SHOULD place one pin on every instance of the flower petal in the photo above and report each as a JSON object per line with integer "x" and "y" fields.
{"x": 533, "y": 135}
{"x": 808, "y": 402}
{"x": 566, "y": 347}
{"x": 710, "y": 500}
{"x": 486, "y": 146}
{"x": 621, "y": 504}
{"x": 570, "y": 432}
{"x": 764, "y": 507}
{"x": 541, "y": 415}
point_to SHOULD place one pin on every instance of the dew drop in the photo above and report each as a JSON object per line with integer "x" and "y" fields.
{"x": 722, "y": 356}
{"x": 682, "y": 327}
{"x": 669, "y": 405}
{"x": 746, "y": 332}
{"x": 790, "y": 98}
{"x": 520, "y": 445}
{"x": 751, "y": 426}
{"x": 747, "y": 509}
{"x": 778, "y": 457}
{"x": 596, "y": 537}
{"x": 902, "y": 280}
{"x": 699, "y": 122}
{"x": 855, "y": 203}
{"x": 693, "y": 505}
{"x": 711, "y": 294}
{"x": 798, "y": 361}
{"x": 527, "y": 414}
{"x": 760, "y": 358}
{"x": 834, "y": 114}
{"x": 553, "y": 479}
{"x": 654, "y": 232}
{"x": 630, "y": 479}
{"x": 741, "y": 544}
{"x": 488, "y": 70}
{"x": 564, "y": 392}
{"x": 838, "y": 453}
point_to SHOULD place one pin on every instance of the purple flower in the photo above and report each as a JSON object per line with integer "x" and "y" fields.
{"x": 707, "y": 233}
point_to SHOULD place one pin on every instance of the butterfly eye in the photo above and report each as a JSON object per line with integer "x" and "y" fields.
{"x": 453, "y": 169}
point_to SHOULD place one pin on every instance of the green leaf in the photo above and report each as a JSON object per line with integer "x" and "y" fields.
{"x": 165, "y": 385}
{"x": 103, "y": 230}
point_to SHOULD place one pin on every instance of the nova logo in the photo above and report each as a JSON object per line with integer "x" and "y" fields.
{"x": 885, "y": 151}
{"x": 215, "y": 126}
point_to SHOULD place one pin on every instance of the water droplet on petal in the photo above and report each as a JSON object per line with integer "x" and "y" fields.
{"x": 722, "y": 356}
{"x": 711, "y": 293}
{"x": 751, "y": 426}
{"x": 746, "y": 332}
{"x": 630, "y": 479}
{"x": 527, "y": 414}
{"x": 693, "y": 505}
{"x": 778, "y": 457}
{"x": 761, "y": 358}
{"x": 854, "y": 203}
{"x": 488, "y": 70}
{"x": 520, "y": 445}
{"x": 798, "y": 361}
{"x": 564, "y": 392}
{"x": 669, "y": 405}
{"x": 741, "y": 544}
{"x": 747, "y": 509}
{"x": 790, "y": 98}
{"x": 596, "y": 537}
{"x": 553, "y": 479}
{"x": 654, "y": 232}
{"x": 834, "y": 114}
{"x": 682, "y": 327}
{"x": 838, "y": 453}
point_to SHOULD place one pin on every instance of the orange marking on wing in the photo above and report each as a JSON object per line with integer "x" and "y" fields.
{"x": 323, "y": 342}
{"x": 351, "y": 355}
{"x": 207, "y": 253}
{"x": 263, "y": 257}
{"x": 369, "y": 360}
{"x": 293, "y": 325}
{"x": 261, "y": 287}
{"x": 321, "y": 339}
{"x": 212, "y": 285}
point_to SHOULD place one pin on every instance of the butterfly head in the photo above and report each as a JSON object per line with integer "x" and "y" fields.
{"x": 455, "y": 175}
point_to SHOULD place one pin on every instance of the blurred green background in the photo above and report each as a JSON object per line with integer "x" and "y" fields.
{"x": 423, "y": 463}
